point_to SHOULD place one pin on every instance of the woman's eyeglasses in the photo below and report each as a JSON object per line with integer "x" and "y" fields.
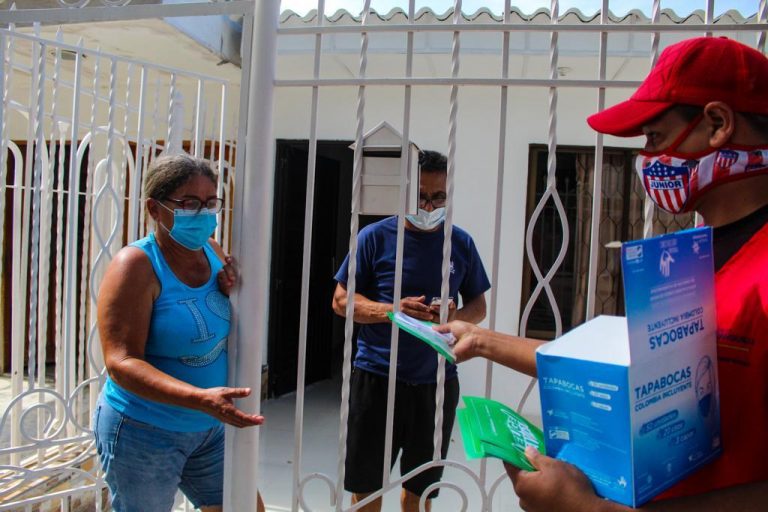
{"x": 215, "y": 204}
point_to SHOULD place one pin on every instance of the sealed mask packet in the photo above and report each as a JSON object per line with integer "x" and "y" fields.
{"x": 491, "y": 429}
{"x": 423, "y": 331}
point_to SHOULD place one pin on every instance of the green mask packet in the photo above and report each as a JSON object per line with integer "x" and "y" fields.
{"x": 491, "y": 429}
{"x": 422, "y": 330}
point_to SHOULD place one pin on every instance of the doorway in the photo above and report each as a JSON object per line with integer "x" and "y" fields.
{"x": 330, "y": 242}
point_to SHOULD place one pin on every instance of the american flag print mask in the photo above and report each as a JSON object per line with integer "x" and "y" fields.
{"x": 675, "y": 183}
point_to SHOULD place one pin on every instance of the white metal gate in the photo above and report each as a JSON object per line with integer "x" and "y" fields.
{"x": 78, "y": 130}
{"x": 364, "y": 78}
{"x": 76, "y": 137}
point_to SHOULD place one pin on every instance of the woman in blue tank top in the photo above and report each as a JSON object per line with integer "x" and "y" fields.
{"x": 164, "y": 323}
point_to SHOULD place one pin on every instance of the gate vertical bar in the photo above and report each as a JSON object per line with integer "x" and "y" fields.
{"x": 437, "y": 439}
{"x": 223, "y": 169}
{"x": 39, "y": 254}
{"x": 762, "y": 17}
{"x": 19, "y": 283}
{"x": 597, "y": 176}
{"x": 5, "y": 86}
{"x": 544, "y": 281}
{"x": 709, "y": 19}
{"x": 88, "y": 286}
{"x": 136, "y": 205}
{"x": 397, "y": 293}
{"x": 26, "y": 214}
{"x": 498, "y": 209}
{"x": 36, "y": 196}
{"x": 126, "y": 163}
{"x": 199, "y": 120}
{"x": 58, "y": 136}
{"x": 309, "y": 204}
{"x": 69, "y": 341}
{"x": 232, "y": 349}
{"x": 648, "y": 208}
{"x": 255, "y": 193}
{"x": 4, "y": 92}
{"x": 357, "y": 171}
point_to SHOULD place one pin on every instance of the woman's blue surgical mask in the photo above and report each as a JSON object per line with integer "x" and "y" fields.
{"x": 427, "y": 221}
{"x": 191, "y": 228}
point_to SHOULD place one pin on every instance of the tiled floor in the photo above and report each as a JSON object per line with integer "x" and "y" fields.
{"x": 320, "y": 454}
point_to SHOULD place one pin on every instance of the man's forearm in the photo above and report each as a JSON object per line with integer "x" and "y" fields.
{"x": 370, "y": 312}
{"x": 366, "y": 310}
{"x": 512, "y": 351}
{"x": 473, "y": 311}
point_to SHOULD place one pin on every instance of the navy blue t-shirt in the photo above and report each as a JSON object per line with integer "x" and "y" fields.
{"x": 422, "y": 275}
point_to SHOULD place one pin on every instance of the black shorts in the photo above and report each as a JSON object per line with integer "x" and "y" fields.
{"x": 413, "y": 430}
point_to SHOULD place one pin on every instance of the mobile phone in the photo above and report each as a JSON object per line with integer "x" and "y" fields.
{"x": 437, "y": 301}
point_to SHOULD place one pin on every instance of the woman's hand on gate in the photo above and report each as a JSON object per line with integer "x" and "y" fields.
{"x": 228, "y": 275}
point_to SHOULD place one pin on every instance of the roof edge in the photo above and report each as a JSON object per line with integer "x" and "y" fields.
{"x": 633, "y": 15}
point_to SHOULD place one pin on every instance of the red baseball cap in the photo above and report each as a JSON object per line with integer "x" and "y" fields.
{"x": 692, "y": 72}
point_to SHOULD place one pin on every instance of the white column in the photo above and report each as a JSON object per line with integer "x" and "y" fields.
{"x": 251, "y": 246}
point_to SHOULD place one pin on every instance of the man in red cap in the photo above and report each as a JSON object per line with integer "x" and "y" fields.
{"x": 704, "y": 112}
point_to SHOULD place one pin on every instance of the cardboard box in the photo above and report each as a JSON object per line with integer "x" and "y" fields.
{"x": 633, "y": 402}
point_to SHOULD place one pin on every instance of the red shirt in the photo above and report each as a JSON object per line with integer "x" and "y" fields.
{"x": 741, "y": 294}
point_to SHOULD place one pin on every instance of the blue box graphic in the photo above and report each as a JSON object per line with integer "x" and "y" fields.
{"x": 633, "y": 402}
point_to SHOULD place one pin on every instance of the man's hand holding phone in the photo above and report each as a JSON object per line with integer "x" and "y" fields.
{"x": 434, "y": 308}
{"x": 416, "y": 307}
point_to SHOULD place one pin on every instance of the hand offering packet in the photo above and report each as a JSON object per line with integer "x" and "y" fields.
{"x": 423, "y": 330}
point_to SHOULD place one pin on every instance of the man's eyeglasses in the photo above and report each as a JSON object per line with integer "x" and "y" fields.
{"x": 437, "y": 201}
{"x": 194, "y": 204}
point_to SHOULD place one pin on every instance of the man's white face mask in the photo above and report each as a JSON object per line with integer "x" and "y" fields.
{"x": 427, "y": 221}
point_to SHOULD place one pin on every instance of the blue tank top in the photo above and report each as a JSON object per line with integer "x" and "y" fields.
{"x": 187, "y": 340}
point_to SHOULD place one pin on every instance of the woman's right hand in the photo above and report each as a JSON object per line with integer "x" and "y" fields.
{"x": 219, "y": 403}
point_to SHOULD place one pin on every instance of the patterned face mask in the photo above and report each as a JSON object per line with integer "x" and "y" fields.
{"x": 675, "y": 180}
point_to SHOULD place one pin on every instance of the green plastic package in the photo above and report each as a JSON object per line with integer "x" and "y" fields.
{"x": 422, "y": 330}
{"x": 491, "y": 429}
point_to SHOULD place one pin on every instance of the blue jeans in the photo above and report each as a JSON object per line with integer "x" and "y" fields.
{"x": 144, "y": 465}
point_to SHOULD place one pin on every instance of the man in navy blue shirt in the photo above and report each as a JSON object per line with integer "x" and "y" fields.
{"x": 413, "y": 424}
